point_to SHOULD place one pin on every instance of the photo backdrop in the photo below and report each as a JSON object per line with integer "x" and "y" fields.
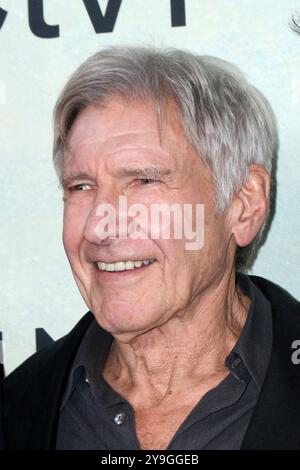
{"x": 42, "y": 42}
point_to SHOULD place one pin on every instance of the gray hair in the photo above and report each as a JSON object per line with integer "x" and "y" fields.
{"x": 227, "y": 120}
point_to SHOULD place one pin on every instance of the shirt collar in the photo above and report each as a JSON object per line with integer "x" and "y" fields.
{"x": 90, "y": 358}
{"x": 254, "y": 344}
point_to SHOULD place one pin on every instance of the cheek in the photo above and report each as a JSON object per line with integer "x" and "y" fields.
{"x": 215, "y": 240}
{"x": 178, "y": 265}
{"x": 72, "y": 229}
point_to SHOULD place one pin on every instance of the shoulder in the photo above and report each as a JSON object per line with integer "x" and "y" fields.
{"x": 285, "y": 315}
{"x": 32, "y": 393}
{"x": 275, "y": 423}
{"x": 53, "y": 359}
{"x": 283, "y": 304}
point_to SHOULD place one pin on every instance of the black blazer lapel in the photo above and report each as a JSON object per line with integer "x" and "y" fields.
{"x": 275, "y": 423}
{"x": 32, "y": 394}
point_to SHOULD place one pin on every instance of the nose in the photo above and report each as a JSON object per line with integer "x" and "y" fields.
{"x": 101, "y": 223}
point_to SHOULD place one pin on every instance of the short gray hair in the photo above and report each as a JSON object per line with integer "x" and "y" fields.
{"x": 227, "y": 120}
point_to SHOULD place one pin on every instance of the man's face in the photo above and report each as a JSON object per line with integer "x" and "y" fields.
{"x": 109, "y": 149}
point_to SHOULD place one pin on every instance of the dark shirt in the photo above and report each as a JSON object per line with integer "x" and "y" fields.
{"x": 94, "y": 416}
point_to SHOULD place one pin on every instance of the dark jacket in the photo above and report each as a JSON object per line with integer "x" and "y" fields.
{"x": 32, "y": 394}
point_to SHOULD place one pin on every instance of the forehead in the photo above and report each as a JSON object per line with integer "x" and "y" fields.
{"x": 129, "y": 127}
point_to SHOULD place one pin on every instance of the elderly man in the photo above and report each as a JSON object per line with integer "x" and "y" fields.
{"x": 179, "y": 350}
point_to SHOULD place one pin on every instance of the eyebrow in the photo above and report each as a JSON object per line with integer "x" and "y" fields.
{"x": 69, "y": 178}
{"x": 148, "y": 172}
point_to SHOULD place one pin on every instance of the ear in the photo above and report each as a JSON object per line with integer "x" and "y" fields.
{"x": 249, "y": 207}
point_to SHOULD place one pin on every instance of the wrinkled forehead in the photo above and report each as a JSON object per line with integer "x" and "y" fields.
{"x": 132, "y": 126}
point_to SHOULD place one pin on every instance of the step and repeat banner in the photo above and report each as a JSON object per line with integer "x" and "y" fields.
{"x": 42, "y": 42}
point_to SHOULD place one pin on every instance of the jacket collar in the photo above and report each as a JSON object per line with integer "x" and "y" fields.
{"x": 32, "y": 393}
{"x": 275, "y": 423}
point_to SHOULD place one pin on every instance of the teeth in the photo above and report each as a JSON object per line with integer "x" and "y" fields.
{"x": 129, "y": 265}
{"x": 110, "y": 267}
{"x": 120, "y": 266}
{"x": 123, "y": 265}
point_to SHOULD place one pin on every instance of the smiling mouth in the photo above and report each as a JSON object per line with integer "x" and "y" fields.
{"x": 123, "y": 266}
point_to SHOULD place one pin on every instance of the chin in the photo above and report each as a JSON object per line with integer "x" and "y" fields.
{"x": 118, "y": 320}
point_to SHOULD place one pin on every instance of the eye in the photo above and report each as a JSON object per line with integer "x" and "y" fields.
{"x": 146, "y": 181}
{"x": 79, "y": 187}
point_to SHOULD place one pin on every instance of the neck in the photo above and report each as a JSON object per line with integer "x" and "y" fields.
{"x": 191, "y": 346}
